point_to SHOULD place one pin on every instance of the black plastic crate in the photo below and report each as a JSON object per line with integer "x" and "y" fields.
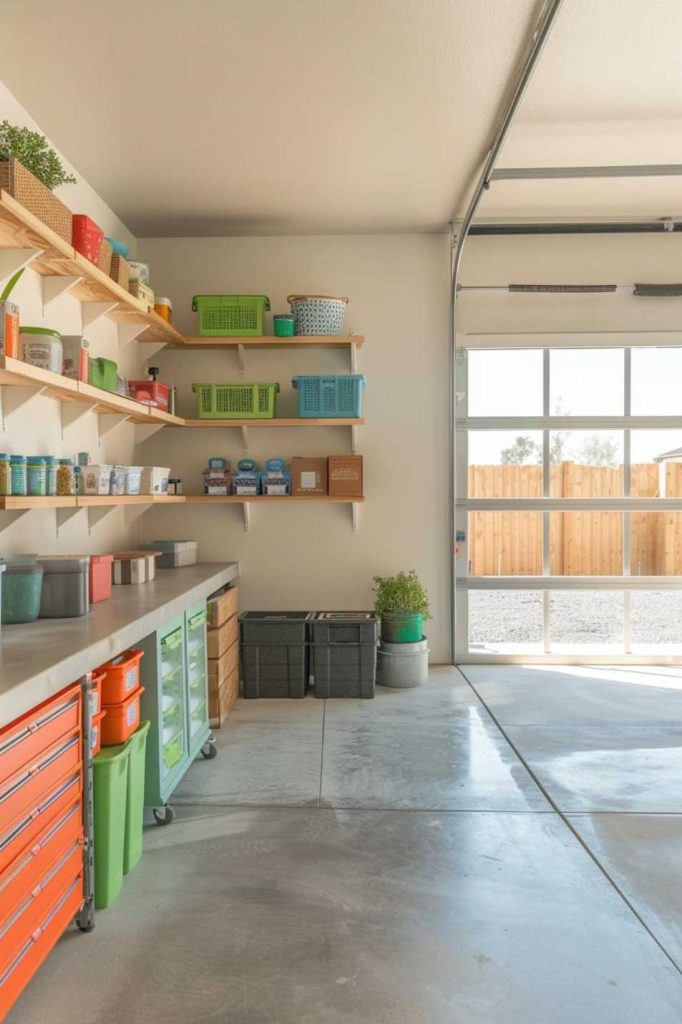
{"x": 344, "y": 654}
{"x": 274, "y": 627}
{"x": 344, "y": 628}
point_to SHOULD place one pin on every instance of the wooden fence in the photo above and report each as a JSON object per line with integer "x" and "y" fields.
{"x": 580, "y": 543}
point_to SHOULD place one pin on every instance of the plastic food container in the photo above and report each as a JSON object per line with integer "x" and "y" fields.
{"x": 17, "y": 464}
{"x": 5, "y": 476}
{"x": 42, "y": 347}
{"x": 164, "y": 307}
{"x": 97, "y": 479}
{"x": 51, "y": 475}
{"x": 133, "y": 479}
{"x": 21, "y": 588}
{"x": 121, "y": 676}
{"x": 65, "y": 591}
{"x": 150, "y": 392}
{"x": 134, "y": 567}
{"x": 86, "y": 237}
{"x": 36, "y": 476}
{"x": 65, "y": 478}
{"x": 96, "y": 734}
{"x": 118, "y": 480}
{"x": 103, "y": 373}
{"x": 118, "y": 248}
{"x": 154, "y": 480}
{"x": 284, "y": 324}
{"x": 76, "y": 350}
{"x": 318, "y": 314}
{"x": 122, "y": 719}
{"x": 139, "y": 271}
{"x": 175, "y": 553}
{"x": 100, "y": 578}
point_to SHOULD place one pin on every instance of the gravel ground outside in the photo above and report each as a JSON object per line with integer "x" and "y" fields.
{"x": 500, "y": 618}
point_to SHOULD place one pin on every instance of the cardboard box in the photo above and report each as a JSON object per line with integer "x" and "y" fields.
{"x": 221, "y": 703}
{"x": 345, "y": 476}
{"x": 308, "y": 476}
{"x": 9, "y": 330}
{"x": 220, "y": 668}
{"x": 222, "y": 606}
{"x": 223, "y": 637}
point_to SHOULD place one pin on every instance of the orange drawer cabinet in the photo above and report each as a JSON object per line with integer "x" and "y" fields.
{"x": 42, "y": 835}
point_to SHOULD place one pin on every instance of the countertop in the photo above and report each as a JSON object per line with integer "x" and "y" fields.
{"x": 40, "y": 658}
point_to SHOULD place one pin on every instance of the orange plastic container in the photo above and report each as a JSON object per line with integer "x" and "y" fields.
{"x": 95, "y": 692}
{"x": 121, "y": 719}
{"x": 121, "y": 677}
{"x": 26, "y": 738}
{"x": 96, "y": 733}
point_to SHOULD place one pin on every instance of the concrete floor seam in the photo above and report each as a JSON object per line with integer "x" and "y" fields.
{"x": 569, "y": 826}
{"x": 369, "y": 809}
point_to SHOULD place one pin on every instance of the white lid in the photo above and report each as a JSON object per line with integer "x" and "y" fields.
{"x": 161, "y": 300}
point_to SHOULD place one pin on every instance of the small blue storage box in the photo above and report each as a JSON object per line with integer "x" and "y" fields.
{"x": 336, "y": 395}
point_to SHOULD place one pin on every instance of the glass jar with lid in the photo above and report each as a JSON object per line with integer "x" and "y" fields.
{"x": 17, "y": 464}
{"x": 36, "y": 482}
{"x": 51, "y": 475}
{"x": 65, "y": 478}
{"x": 5, "y": 476}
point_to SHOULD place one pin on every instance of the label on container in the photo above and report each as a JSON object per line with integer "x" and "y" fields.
{"x": 131, "y": 679}
{"x": 131, "y": 714}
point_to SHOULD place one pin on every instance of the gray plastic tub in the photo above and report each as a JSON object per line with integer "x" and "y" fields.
{"x": 65, "y": 593}
{"x": 344, "y": 654}
{"x": 175, "y": 553}
{"x": 275, "y": 654}
{"x": 403, "y": 669}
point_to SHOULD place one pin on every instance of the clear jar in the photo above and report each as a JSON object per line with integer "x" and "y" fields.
{"x": 36, "y": 476}
{"x": 78, "y": 480}
{"x": 65, "y": 478}
{"x": 5, "y": 476}
{"x": 18, "y": 474}
{"x": 51, "y": 475}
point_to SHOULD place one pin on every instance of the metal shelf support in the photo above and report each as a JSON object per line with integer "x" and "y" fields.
{"x": 52, "y": 287}
{"x": 13, "y": 397}
{"x": 355, "y": 516}
{"x": 63, "y": 516}
{"x": 9, "y": 516}
{"x": 93, "y": 311}
{"x": 96, "y": 513}
{"x": 14, "y": 260}
{"x": 245, "y": 440}
{"x": 128, "y": 332}
{"x": 246, "y": 507}
{"x": 72, "y": 412}
{"x": 107, "y": 422}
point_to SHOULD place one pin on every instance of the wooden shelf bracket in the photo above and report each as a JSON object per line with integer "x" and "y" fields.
{"x": 13, "y": 398}
{"x": 133, "y": 512}
{"x": 128, "y": 332}
{"x": 72, "y": 412}
{"x": 246, "y": 507}
{"x": 13, "y": 260}
{"x": 245, "y": 440}
{"x": 96, "y": 513}
{"x": 63, "y": 516}
{"x": 92, "y": 311}
{"x": 143, "y": 431}
{"x": 10, "y": 516}
{"x": 355, "y": 516}
{"x": 109, "y": 420}
{"x": 53, "y": 287}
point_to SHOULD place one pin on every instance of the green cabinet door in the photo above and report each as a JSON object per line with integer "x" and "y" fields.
{"x": 197, "y": 678}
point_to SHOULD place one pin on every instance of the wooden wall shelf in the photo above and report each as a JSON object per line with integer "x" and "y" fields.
{"x": 269, "y": 341}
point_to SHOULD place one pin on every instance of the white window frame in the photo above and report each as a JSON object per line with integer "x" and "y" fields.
{"x": 463, "y": 583}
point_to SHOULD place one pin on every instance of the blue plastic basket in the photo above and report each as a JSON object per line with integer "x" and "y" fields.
{"x": 337, "y": 395}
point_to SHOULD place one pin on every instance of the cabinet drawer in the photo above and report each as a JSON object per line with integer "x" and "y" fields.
{"x": 22, "y": 922}
{"x": 27, "y": 826}
{"x": 25, "y": 740}
{"x": 16, "y": 977}
{"x": 31, "y": 784}
{"x": 34, "y": 861}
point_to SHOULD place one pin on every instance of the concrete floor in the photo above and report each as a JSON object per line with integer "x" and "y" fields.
{"x": 505, "y": 852}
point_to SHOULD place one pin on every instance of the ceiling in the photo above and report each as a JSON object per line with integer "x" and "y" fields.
{"x": 292, "y": 116}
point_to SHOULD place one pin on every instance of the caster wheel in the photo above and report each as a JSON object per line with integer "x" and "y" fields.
{"x": 164, "y": 815}
{"x": 209, "y": 750}
{"x": 89, "y": 927}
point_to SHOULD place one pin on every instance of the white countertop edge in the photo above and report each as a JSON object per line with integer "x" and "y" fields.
{"x": 16, "y": 700}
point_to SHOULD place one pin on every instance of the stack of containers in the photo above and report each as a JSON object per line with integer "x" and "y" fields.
{"x": 403, "y": 650}
{"x": 223, "y": 653}
{"x": 275, "y": 653}
{"x": 344, "y": 654}
{"x": 121, "y": 693}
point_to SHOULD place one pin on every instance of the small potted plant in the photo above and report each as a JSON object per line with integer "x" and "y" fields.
{"x": 403, "y": 604}
{"x": 29, "y": 170}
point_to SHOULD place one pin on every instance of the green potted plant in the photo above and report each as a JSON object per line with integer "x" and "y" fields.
{"x": 403, "y": 604}
{"x": 29, "y": 170}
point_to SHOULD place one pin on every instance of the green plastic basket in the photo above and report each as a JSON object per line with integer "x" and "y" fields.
{"x": 230, "y": 315}
{"x": 235, "y": 401}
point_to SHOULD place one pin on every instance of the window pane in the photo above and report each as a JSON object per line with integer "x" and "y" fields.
{"x": 505, "y": 543}
{"x": 656, "y": 543}
{"x": 586, "y": 621}
{"x": 505, "y": 622}
{"x": 657, "y": 382}
{"x": 505, "y": 383}
{"x": 656, "y": 622}
{"x": 651, "y": 479}
{"x": 586, "y": 543}
{"x": 586, "y": 464}
{"x": 586, "y": 382}
{"x": 505, "y": 464}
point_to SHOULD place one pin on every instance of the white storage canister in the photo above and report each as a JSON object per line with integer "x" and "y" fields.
{"x": 133, "y": 479}
{"x": 97, "y": 479}
{"x": 118, "y": 480}
{"x": 42, "y": 347}
{"x": 65, "y": 586}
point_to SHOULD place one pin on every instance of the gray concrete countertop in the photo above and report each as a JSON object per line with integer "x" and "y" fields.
{"x": 40, "y": 658}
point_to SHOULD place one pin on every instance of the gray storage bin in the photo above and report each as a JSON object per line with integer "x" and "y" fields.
{"x": 65, "y": 592}
{"x": 275, "y": 654}
{"x": 344, "y": 654}
{"x": 175, "y": 553}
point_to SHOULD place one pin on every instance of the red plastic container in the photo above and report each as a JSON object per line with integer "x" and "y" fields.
{"x": 121, "y": 677}
{"x": 121, "y": 720}
{"x": 100, "y": 577}
{"x": 86, "y": 237}
{"x": 150, "y": 392}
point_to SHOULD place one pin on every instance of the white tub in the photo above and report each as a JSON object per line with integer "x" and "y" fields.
{"x": 97, "y": 479}
{"x": 154, "y": 480}
{"x": 133, "y": 479}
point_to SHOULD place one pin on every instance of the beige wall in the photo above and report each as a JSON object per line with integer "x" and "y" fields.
{"x": 306, "y": 556}
{"x": 35, "y": 427}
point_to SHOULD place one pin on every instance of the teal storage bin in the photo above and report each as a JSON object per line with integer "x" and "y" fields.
{"x": 132, "y": 843}
{"x": 109, "y": 805}
{"x": 22, "y": 585}
{"x": 336, "y": 395}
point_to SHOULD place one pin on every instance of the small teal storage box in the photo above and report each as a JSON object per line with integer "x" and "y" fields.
{"x": 336, "y": 395}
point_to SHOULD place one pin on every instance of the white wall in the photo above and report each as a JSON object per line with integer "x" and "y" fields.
{"x": 35, "y": 428}
{"x": 306, "y": 556}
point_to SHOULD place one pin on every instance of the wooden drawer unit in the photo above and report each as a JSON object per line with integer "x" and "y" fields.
{"x": 34, "y": 861}
{"x": 38, "y": 780}
{"x": 15, "y": 978}
{"x": 26, "y": 739}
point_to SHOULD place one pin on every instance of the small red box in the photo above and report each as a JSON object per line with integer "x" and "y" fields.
{"x": 86, "y": 237}
{"x": 100, "y": 577}
{"x": 150, "y": 392}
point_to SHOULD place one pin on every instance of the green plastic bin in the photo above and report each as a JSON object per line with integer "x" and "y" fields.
{"x": 132, "y": 843}
{"x": 230, "y": 315}
{"x": 103, "y": 373}
{"x": 110, "y": 797}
